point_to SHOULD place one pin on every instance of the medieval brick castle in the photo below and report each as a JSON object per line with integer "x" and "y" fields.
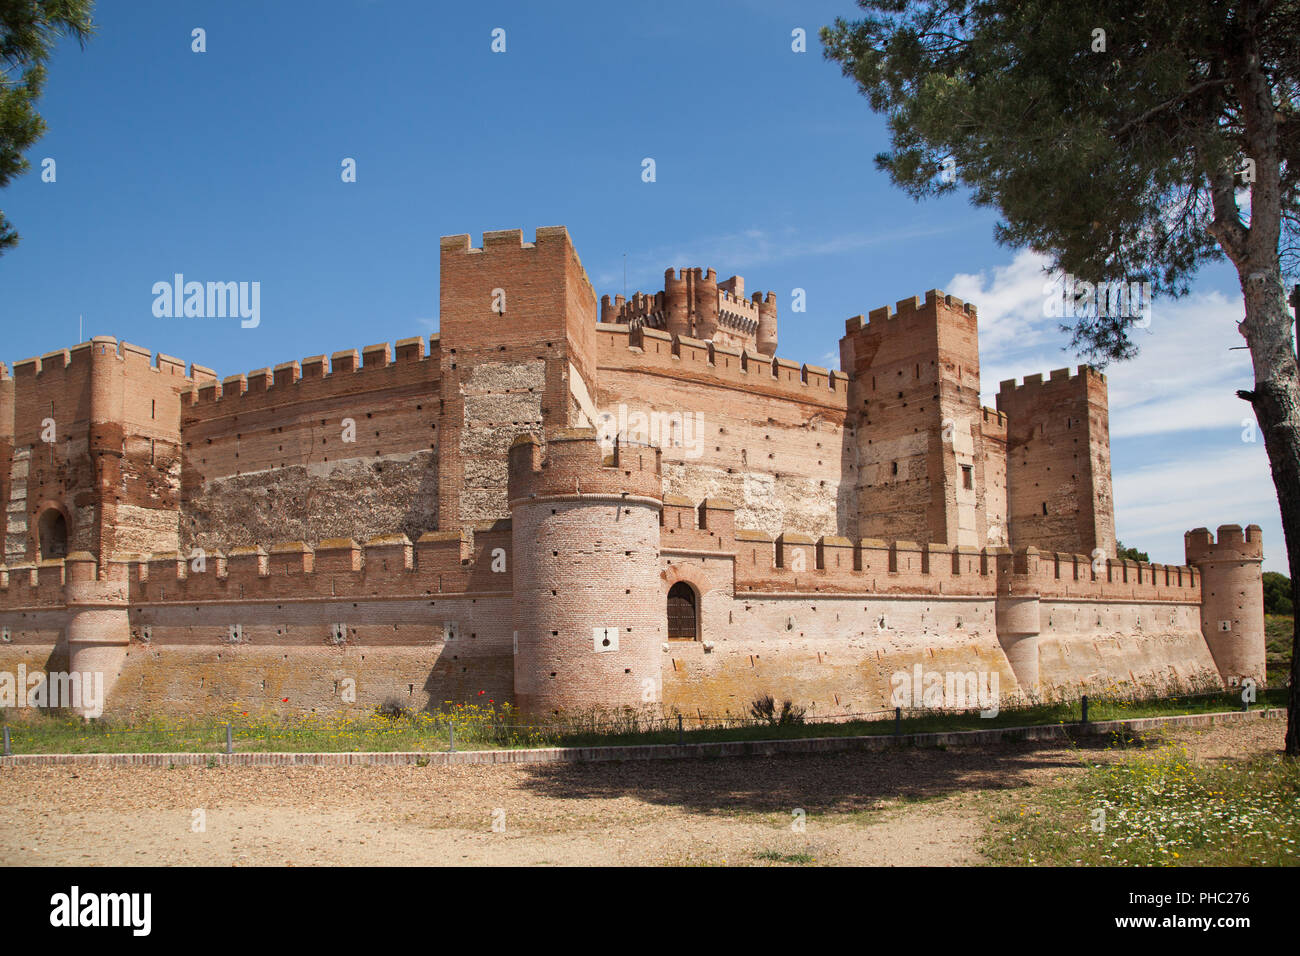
{"x": 568, "y": 503}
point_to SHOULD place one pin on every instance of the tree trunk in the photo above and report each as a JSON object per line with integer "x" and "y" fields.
{"x": 1267, "y": 325}
{"x": 1276, "y": 401}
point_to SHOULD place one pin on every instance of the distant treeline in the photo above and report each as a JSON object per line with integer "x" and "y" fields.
{"x": 1277, "y": 594}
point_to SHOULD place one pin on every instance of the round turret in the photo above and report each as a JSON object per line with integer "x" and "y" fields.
{"x": 585, "y": 530}
{"x": 1232, "y": 598}
{"x": 676, "y": 308}
{"x": 766, "y": 323}
{"x": 706, "y": 304}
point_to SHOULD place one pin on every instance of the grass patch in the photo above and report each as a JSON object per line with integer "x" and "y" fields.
{"x": 775, "y": 856}
{"x": 474, "y": 728}
{"x": 1278, "y": 630}
{"x": 1158, "y": 809}
{"x": 477, "y": 727}
{"x": 913, "y": 798}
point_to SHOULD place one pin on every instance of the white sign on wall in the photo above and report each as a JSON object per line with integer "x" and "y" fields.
{"x": 604, "y": 639}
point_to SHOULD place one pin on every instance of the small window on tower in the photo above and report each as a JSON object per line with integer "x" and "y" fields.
{"x": 967, "y": 476}
{"x": 894, "y": 468}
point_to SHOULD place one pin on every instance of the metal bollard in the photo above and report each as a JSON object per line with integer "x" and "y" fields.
{"x": 1085, "y": 708}
{"x": 451, "y": 736}
{"x": 230, "y": 743}
{"x": 898, "y": 721}
{"x": 8, "y": 752}
{"x": 681, "y": 737}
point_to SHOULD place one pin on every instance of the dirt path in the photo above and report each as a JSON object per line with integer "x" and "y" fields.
{"x": 910, "y": 807}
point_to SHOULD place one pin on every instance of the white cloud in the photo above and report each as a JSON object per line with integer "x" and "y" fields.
{"x": 1199, "y": 487}
{"x": 1184, "y": 378}
{"x": 1178, "y": 398}
{"x": 1010, "y": 303}
{"x": 1163, "y": 497}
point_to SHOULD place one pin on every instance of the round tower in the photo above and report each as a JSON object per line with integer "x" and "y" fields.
{"x": 1019, "y": 617}
{"x": 675, "y": 306}
{"x": 1232, "y": 598}
{"x": 589, "y": 625}
{"x": 98, "y": 629}
{"x": 706, "y": 304}
{"x": 766, "y": 323}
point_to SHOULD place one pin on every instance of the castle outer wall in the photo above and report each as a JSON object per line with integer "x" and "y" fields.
{"x": 459, "y": 517}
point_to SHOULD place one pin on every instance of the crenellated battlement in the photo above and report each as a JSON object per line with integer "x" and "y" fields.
{"x": 347, "y": 370}
{"x": 640, "y": 309}
{"x": 994, "y": 423}
{"x": 340, "y": 568}
{"x": 796, "y": 561}
{"x": 572, "y": 463}
{"x": 1233, "y": 544}
{"x": 335, "y": 567}
{"x": 656, "y": 352}
{"x": 78, "y": 358}
{"x": 742, "y": 305}
{"x": 883, "y": 319}
{"x": 695, "y": 304}
{"x": 1058, "y": 574}
{"x": 507, "y": 239}
{"x": 872, "y": 565}
{"x": 1057, "y": 377}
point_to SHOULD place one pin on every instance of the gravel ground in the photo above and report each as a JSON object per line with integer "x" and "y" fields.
{"x": 909, "y": 807}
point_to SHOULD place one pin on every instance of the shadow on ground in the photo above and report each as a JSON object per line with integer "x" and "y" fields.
{"x": 822, "y": 783}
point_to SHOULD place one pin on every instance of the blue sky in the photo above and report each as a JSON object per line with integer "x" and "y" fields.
{"x": 225, "y": 165}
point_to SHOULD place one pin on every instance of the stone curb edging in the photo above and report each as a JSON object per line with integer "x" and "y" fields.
{"x": 731, "y": 748}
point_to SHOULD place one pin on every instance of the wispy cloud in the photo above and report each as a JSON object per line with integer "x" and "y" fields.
{"x": 1162, "y": 497}
{"x": 742, "y": 251}
{"x": 1010, "y": 303}
{"x": 1184, "y": 378}
{"x": 1177, "y": 398}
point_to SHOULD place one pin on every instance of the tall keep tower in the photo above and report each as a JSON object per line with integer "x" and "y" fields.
{"x": 1058, "y": 462}
{"x": 914, "y": 409}
{"x": 93, "y": 437}
{"x": 518, "y": 338}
